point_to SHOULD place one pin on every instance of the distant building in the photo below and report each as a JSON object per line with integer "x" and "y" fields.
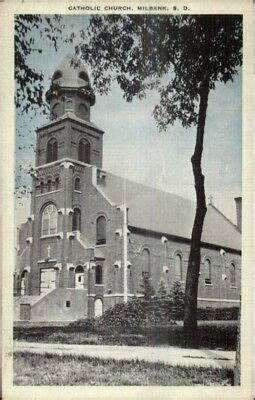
{"x": 91, "y": 235}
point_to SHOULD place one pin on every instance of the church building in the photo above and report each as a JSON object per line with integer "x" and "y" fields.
{"x": 91, "y": 235}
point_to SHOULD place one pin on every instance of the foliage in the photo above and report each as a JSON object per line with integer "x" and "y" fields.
{"x": 146, "y": 288}
{"x": 218, "y": 314}
{"x": 164, "y": 52}
{"x": 29, "y": 88}
{"x": 211, "y": 334}
{"x": 177, "y": 297}
{"x": 162, "y": 290}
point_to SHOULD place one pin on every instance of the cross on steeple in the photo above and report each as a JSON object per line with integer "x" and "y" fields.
{"x": 48, "y": 250}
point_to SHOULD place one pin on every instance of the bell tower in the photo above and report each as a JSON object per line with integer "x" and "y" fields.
{"x": 70, "y": 132}
{"x": 66, "y": 149}
{"x": 70, "y": 91}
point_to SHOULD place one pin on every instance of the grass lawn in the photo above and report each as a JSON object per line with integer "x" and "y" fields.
{"x": 49, "y": 369}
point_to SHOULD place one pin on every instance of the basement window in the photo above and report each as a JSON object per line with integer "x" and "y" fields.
{"x": 68, "y": 303}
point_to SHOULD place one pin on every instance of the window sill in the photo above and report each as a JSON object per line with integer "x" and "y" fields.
{"x": 50, "y": 236}
{"x": 99, "y": 284}
{"x": 100, "y": 245}
{"x": 47, "y": 260}
{"x": 77, "y": 191}
{"x": 208, "y": 284}
{"x": 233, "y": 287}
{"x": 43, "y": 194}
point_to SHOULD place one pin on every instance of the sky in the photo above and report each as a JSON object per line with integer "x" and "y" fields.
{"x": 134, "y": 147}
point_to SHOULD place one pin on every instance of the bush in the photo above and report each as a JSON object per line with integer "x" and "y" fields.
{"x": 218, "y": 314}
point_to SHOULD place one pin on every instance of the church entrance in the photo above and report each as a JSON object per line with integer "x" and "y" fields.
{"x": 23, "y": 283}
{"x": 47, "y": 280}
{"x": 25, "y": 312}
{"x": 98, "y": 307}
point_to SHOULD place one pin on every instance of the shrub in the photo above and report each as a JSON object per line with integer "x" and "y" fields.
{"x": 218, "y": 314}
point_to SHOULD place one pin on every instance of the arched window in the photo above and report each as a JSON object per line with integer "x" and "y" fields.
{"x": 77, "y": 184}
{"x": 56, "y": 111}
{"x": 52, "y": 150}
{"x": 178, "y": 267}
{"x": 84, "y": 151}
{"x": 49, "y": 186}
{"x": 98, "y": 275}
{"x": 57, "y": 183}
{"x": 208, "y": 272}
{"x": 232, "y": 274}
{"x": 84, "y": 76}
{"x": 79, "y": 277}
{"x": 101, "y": 230}
{"x": 49, "y": 220}
{"x": 82, "y": 111}
{"x": 76, "y": 220}
{"x": 146, "y": 261}
{"x": 57, "y": 75}
{"x": 98, "y": 307}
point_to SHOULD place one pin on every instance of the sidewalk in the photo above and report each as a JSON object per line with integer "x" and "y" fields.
{"x": 168, "y": 355}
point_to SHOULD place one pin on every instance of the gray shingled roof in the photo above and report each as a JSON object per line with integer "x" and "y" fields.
{"x": 168, "y": 213}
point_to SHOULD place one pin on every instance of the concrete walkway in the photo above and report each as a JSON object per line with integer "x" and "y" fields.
{"x": 168, "y": 355}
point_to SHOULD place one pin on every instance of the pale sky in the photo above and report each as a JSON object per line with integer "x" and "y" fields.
{"x": 135, "y": 149}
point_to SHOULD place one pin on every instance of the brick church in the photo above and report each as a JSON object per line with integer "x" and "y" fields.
{"x": 91, "y": 235}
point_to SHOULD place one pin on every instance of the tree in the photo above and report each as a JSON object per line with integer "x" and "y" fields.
{"x": 190, "y": 53}
{"x": 146, "y": 288}
{"x": 162, "y": 289}
{"x": 29, "y": 29}
{"x": 29, "y": 88}
{"x": 177, "y": 297}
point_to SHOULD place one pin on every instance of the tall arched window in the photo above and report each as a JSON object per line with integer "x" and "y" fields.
{"x": 79, "y": 277}
{"x": 77, "y": 184}
{"x": 208, "y": 272}
{"x": 146, "y": 261}
{"x": 98, "y": 275}
{"x": 52, "y": 150}
{"x": 84, "y": 151}
{"x": 232, "y": 274}
{"x": 49, "y": 220}
{"x": 101, "y": 230}
{"x": 76, "y": 220}
{"x": 178, "y": 267}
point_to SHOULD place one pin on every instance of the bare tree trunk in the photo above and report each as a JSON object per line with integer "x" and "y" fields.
{"x": 191, "y": 289}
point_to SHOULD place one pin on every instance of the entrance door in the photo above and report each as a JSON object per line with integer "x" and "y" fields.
{"x": 25, "y": 312}
{"x": 47, "y": 280}
{"x": 98, "y": 307}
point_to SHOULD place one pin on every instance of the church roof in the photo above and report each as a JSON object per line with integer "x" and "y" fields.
{"x": 71, "y": 73}
{"x": 168, "y": 213}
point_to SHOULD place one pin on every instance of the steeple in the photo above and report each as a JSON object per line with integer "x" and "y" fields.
{"x": 70, "y": 90}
